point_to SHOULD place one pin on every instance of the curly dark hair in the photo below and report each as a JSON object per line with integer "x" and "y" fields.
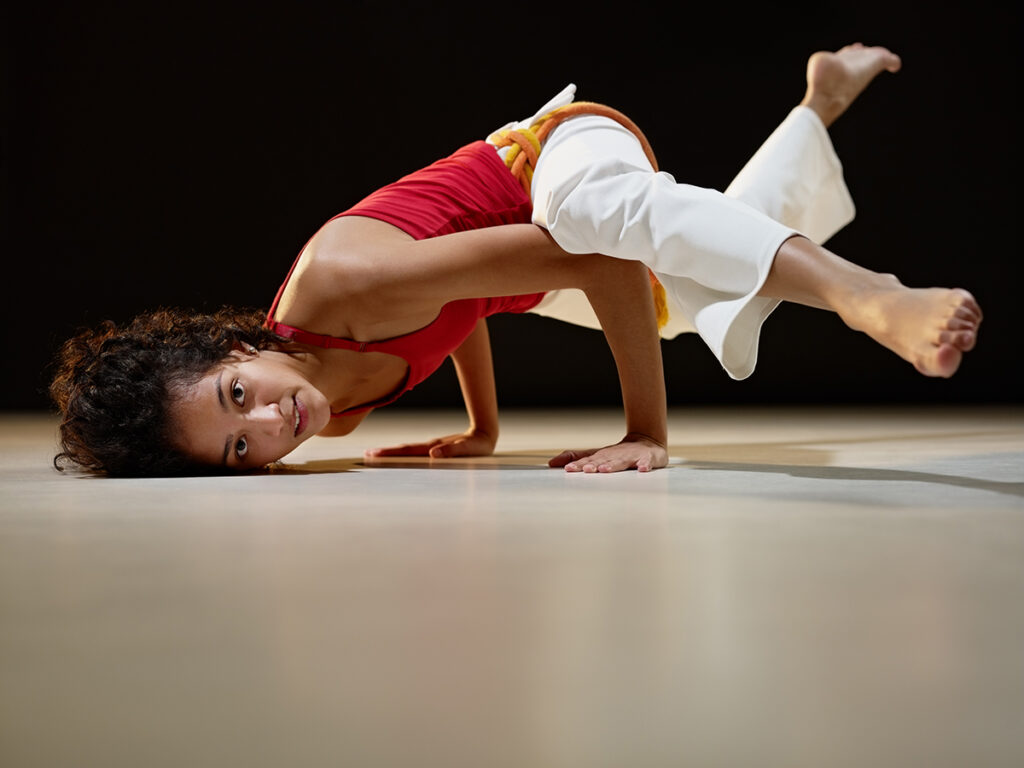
{"x": 113, "y": 385}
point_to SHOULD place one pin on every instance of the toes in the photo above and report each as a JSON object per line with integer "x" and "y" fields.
{"x": 967, "y": 315}
{"x": 960, "y": 325}
{"x": 947, "y": 360}
{"x": 942, "y": 362}
{"x": 963, "y": 340}
{"x": 967, "y": 303}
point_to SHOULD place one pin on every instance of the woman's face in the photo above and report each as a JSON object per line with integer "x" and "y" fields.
{"x": 248, "y": 411}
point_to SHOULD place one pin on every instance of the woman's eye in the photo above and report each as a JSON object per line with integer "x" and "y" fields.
{"x": 241, "y": 447}
{"x": 238, "y": 393}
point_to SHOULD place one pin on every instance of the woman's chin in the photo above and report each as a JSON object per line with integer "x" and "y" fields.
{"x": 318, "y": 414}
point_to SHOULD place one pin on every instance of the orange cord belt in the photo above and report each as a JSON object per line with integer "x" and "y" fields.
{"x": 525, "y": 147}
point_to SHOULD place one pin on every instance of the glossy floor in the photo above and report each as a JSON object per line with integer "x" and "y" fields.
{"x": 805, "y": 587}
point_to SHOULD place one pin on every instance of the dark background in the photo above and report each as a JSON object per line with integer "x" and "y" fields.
{"x": 181, "y": 155}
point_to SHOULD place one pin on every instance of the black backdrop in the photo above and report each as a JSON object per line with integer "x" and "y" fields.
{"x": 177, "y": 155}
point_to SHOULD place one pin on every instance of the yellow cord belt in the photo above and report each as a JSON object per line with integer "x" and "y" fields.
{"x": 525, "y": 147}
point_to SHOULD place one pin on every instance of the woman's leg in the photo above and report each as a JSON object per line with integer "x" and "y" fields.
{"x": 595, "y": 191}
{"x": 725, "y": 263}
{"x": 930, "y": 328}
{"x": 795, "y": 177}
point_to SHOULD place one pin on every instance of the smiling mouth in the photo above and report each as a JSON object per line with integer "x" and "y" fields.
{"x": 299, "y": 412}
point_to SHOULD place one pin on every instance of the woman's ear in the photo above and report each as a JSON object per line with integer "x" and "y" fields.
{"x": 246, "y": 347}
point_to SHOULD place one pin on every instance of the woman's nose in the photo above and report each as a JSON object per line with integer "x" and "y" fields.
{"x": 268, "y": 419}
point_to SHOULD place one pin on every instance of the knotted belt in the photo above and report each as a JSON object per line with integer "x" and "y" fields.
{"x": 525, "y": 146}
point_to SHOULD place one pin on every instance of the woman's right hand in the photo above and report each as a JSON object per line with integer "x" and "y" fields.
{"x": 472, "y": 442}
{"x": 634, "y": 451}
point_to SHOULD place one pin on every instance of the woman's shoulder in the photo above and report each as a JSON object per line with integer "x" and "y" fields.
{"x": 341, "y": 259}
{"x": 338, "y": 282}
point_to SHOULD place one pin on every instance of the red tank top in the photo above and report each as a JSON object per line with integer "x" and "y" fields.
{"x": 470, "y": 189}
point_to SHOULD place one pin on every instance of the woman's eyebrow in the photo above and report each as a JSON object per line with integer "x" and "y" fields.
{"x": 224, "y": 406}
{"x": 220, "y": 393}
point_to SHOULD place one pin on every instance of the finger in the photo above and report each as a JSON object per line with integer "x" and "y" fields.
{"x": 448, "y": 450}
{"x": 618, "y": 461}
{"x": 609, "y": 464}
{"x": 408, "y": 449}
{"x": 596, "y": 462}
{"x": 566, "y": 457}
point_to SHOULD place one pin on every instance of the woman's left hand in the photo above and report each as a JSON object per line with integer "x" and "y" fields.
{"x": 469, "y": 443}
{"x": 633, "y": 452}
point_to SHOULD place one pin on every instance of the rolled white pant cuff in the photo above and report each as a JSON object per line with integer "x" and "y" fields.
{"x": 796, "y": 178}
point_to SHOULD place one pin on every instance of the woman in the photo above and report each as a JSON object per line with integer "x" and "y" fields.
{"x": 384, "y": 292}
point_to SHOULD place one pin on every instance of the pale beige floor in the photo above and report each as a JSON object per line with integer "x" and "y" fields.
{"x": 808, "y": 587}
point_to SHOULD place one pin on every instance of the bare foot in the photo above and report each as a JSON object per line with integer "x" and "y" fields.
{"x": 929, "y": 327}
{"x": 835, "y": 79}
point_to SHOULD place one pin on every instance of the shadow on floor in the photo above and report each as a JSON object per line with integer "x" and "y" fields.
{"x": 809, "y": 464}
{"x": 869, "y": 474}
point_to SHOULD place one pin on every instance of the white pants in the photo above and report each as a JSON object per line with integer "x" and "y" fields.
{"x": 595, "y": 192}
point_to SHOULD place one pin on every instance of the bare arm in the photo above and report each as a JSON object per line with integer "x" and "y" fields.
{"x": 474, "y": 366}
{"x": 620, "y": 293}
{"x": 475, "y": 369}
{"x": 365, "y": 279}
{"x": 621, "y": 298}
{"x": 382, "y": 269}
